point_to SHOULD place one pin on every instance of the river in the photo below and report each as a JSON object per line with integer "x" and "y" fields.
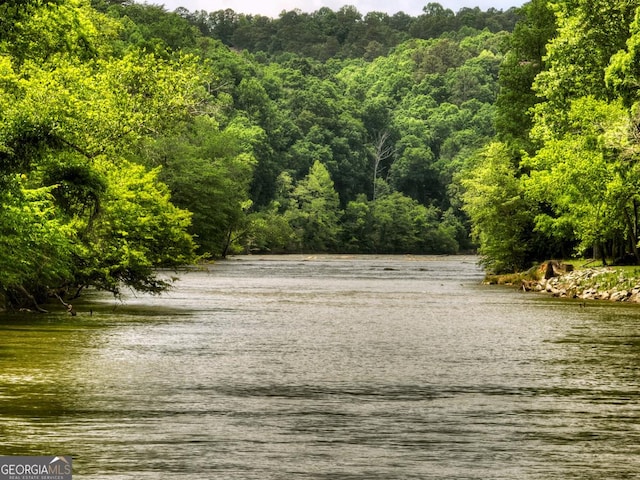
{"x": 327, "y": 367}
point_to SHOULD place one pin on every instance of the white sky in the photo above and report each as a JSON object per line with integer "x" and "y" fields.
{"x": 273, "y": 8}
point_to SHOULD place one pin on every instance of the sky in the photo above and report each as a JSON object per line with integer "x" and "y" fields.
{"x": 272, "y": 8}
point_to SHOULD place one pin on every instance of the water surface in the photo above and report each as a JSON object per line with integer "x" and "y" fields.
{"x": 327, "y": 367}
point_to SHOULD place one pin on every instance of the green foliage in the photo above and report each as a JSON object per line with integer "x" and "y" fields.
{"x": 519, "y": 68}
{"x": 78, "y": 188}
{"x": 314, "y": 210}
{"x": 578, "y": 175}
{"x": 566, "y": 177}
{"x": 35, "y": 30}
{"x": 209, "y": 171}
{"x": 269, "y": 231}
{"x": 346, "y": 33}
{"x": 589, "y": 33}
{"x": 357, "y": 235}
{"x": 622, "y": 74}
{"x": 402, "y": 225}
{"x": 132, "y": 138}
{"x": 137, "y": 231}
{"x": 495, "y": 201}
{"x": 74, "y": 210}
{"x": 36, "y": 248}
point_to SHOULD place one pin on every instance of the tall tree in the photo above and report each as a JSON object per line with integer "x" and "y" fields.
{"x": 495, "y": 201}
{"x": 209, "y": 171}
{"x": 315, "y": 211}
{"x": 520, "y": 66}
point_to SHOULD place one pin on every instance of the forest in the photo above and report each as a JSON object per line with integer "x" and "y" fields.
{"x": 134, "y": 139}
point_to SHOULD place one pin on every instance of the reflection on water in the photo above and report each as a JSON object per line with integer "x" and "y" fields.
{"x": 328, "y": 367}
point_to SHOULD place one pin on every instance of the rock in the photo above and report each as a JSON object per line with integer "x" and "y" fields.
{"x": 583, "y": 284}
{"x": 548, "y": 271}
{"x": 620, "y": 296}
{"x": 554, "y": 268}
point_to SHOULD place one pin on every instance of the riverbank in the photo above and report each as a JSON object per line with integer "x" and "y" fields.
{"x": 617, "y": 284}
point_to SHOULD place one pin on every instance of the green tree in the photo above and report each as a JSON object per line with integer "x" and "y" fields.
{"x": 590, "y": 189}
{"x": 209, "y": 171}
{"x": 622, "y": 74}
{"x": 315, "y": 212}
{"x": 519, "y": 68}
{"x": 583, "y": 130}
{"x": 413, "y": 172}
{"x": 74, "y": 117}
{"x": 589, "y": 33}
{"x": 402, "y": 225}
{"x": 495, "y": 201}
{"x": 269, "y": 231}
{"x": 357, "y": 226}
{"x": 137, "y": 231}
{"x": 36, "y": 248}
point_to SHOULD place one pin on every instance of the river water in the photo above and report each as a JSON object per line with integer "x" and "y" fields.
{"x": 327, "y": 367}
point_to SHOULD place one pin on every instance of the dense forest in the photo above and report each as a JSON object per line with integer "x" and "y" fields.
{"x": 133, "y": 138}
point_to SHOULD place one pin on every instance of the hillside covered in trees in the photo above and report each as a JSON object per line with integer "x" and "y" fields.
{"x": 133, "y": 138}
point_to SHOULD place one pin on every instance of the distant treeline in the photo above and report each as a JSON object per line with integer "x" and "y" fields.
{"x": 323, "y": 34}
{"x": 326, "y": 34}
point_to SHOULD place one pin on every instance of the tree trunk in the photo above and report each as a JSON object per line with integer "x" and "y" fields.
{"x": 603, "y": 251}
{"x": 382, "y": 152}
{"x": 634, "y": 236}
{"x": 33, "y": 300}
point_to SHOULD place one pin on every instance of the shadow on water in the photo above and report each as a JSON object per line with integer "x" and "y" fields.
{"x": 327, "y": 367}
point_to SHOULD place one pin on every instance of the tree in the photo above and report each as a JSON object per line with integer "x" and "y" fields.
{"x": 589, "y": 188}
{"x": 621, "y": 75}
{"x": 357, "y": 226}
{"x": 268, "y": 231}
{"x": 36, "y": 248}
{"x": 519, "y": 68}
{"x": 382, "y": 151}
{"x": 402, "y": 225}
{"x": 209, "y": 172}
{"x": 582, "y": 173}
{"x": 413, "y": 173}
{"x": 589, "y": 33}
{"x": 315, "y": 212}
{"x": 495, "y": 202}
{"x": 137, "y": 231}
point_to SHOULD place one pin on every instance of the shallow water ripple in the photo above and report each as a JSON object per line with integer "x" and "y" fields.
{"x": 328, "y": 367}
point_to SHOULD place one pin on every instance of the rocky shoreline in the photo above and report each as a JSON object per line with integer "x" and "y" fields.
{"x": 595, "y": 283}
